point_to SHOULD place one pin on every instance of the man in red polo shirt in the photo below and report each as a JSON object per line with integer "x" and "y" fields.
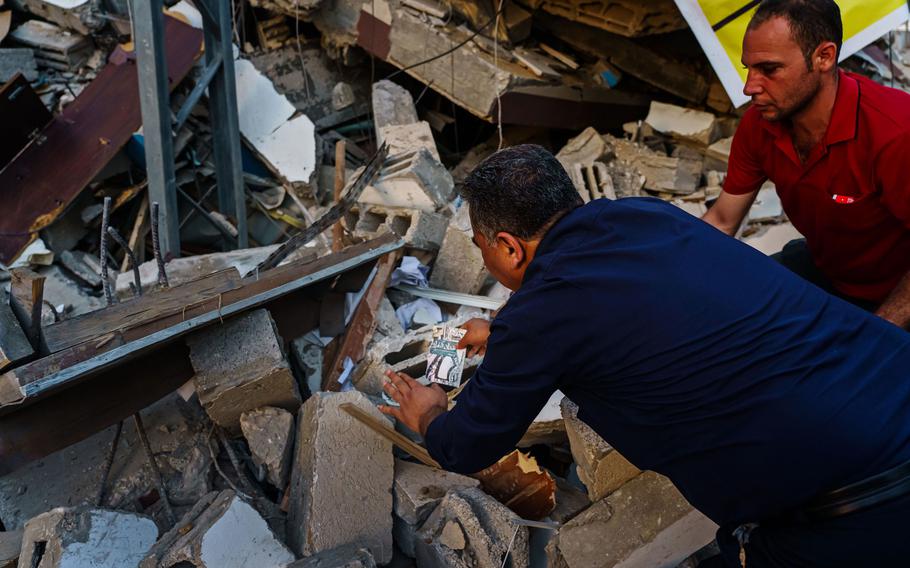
{"x": 837, "y": 146}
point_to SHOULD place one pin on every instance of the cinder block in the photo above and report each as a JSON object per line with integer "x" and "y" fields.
{"x": 471, "y": 529}
{"x": 403, "y": 138}
{"x": 240, "y": 366}
{"x": 601, "y": 468}
{"x": 221, "y": 531}
{"x": 419, "y": 229}
{"x": 85, "y": 537}
{"x": 686, "y": 124}
{"x": 341, "y": 482}
{"x": 392, "y": 105}
{"x": 412, "y": 180}
{"x": 352, "y": 556}
{"x": 645, "y": 524}
{"x": 459, "y": 265}
{"x": 269, "y": 431}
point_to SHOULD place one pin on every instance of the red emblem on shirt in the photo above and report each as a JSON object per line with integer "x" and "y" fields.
{"x": 842, "y": 199}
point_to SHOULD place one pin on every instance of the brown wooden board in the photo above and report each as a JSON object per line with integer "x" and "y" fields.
{"x": 22, "y": 115}
{"x": 38, "y": 185}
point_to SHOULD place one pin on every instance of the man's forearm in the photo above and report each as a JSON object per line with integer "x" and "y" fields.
{"x": 896, "y": 308}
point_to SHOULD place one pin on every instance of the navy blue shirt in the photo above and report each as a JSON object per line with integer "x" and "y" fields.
{"x": 694, "y": 356}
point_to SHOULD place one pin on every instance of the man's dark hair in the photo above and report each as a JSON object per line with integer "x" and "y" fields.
{"x": 811, "y": 22}
{"x": 521, "y": 190}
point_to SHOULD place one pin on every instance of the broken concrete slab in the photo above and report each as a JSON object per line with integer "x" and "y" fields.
{"x": 85, "y": 537}
{"x": 404, "y": 138}
{"x": 717, "y": 154}
{"x": 459, "y": 265}
{"x": 623, "y": 17}
{"x": 419, "y": 229}
{"x": 684, "y": 124}
{"x": 269, "y": 432}
{"x": 586, "y": 148}
{"x": 341, "y": 488}
{"x": 221, "y": 531}
{"x": 15, "y": 60}
{"x": 411, "y": 180}
{"x": 241, "y": 366}
{"x": 647, "y": 523}
{"x": 352, "y": 556}
{"x": 54, "y": 47}
{"x": 419, "y": 488}
{"x": 393, "y": 105}
{"x": 14, "y": 345}
{"x": 77, "y": 263}
{"x": 601, "y": 468}
{"x": 548, "y": 427}
{"x": 10, "y": 546}
{"x": 471, "y": 529}
{"x": 661, "y": 173}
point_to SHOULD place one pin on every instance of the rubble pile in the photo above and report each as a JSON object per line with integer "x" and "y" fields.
{"x": 219, "y": 409}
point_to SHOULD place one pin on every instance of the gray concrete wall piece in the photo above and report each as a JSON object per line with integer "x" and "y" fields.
{"x": 411, "y": 180}
{"x": 419, "y": 488}
{"x": 341, "y": 482}
{"x": 419, "y": 229}
{"x": 646, "y": 523}
{"x": 85, "y": 537}
{"x": 269, "y": 432}
{"x": 470, "y": 528}
{"x": 351, "y": 556}
{"x": 221, "y": 531}
{"x": 241, "y": 366}
{"x": 600, "y": 467}
{"x": 392, "y": 105}
{"x": 459, "y": 265}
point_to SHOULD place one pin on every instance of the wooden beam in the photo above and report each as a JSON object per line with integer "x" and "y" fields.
{"x": 26, "y": 297}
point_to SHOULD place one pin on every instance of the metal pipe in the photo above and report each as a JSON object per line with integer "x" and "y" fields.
{"x": 156, "y": 247}
{"x": 105, "y": 279}
{"x": 108, "y": 463}
{"x": 156, "y": 473}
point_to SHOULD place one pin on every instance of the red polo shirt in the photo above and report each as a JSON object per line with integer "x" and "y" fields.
{"x": 851, "y": 198}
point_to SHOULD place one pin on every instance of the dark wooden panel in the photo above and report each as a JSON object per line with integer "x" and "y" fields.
{"x": 51, "y": 171}
{"x": 22, "y": 114}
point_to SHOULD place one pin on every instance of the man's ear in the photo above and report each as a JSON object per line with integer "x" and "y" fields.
{"x": 825, "y": 56}
{"x": 513, "y": 248}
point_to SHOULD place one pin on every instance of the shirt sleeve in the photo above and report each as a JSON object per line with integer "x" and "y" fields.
{"x": 525, "y": 362}
{"x": 891, "y": 177}
{"x": 744, "y": 170}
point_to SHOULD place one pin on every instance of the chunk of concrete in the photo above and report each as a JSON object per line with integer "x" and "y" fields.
{"x": 471, "y": 529}
{"x": 548, "y": 426}
{"x": 10, "y": 546}
{"x": 341, "y": 485}
{"x": 717, "y": 155}
{"x": 585, "y": 149}
{"x": 84, "y": 537}
{"x": 269, "y": 431}
{"x": 240, "y": 366}
{"x": 601, "y": 468}
{"x": 459, "y": 265}
{"x": 351, "y": 556}
{"x": 645, "y": 524}
{"x": 393, "y": 105}
{"x": 221, "y": 531}
{"x": 412, "y": 180}
{"x": 419, "y": 229}
{"x": 676, "y": 175}
{"x": 418, "y": 490}
{"x": 686, "y": 124}
{"x": 404, "y": 138}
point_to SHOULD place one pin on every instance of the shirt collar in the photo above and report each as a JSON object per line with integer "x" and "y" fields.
{"x": 843, "y": 118}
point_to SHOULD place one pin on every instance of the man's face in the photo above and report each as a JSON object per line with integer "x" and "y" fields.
{"x": 779, "y": 81}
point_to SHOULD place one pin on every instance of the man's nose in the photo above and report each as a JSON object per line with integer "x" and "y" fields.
{"x": 753, "y": 85}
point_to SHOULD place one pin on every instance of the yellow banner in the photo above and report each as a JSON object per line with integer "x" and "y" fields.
{"x": 720, "y": 26}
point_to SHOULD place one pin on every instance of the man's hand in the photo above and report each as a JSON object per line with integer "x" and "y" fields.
{"x": 475, "y": 340}
{"x": 419, "y": 404}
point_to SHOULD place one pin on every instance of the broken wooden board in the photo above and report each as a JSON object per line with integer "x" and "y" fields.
{"x": 520, "y": 484}
{"x": 39, "y": 184}
{"x": 22, "y": 114}
{"x": 14, "y": 345}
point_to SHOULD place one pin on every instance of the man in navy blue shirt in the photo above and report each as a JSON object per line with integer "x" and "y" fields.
{"x": 693, "y": 355}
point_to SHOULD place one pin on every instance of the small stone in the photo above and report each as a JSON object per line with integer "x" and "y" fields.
{"x": 269, "y": 431}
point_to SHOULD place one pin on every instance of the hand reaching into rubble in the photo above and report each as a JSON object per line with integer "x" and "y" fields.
{"x": 475, "y": 340}
{"x": 419, "y": 404}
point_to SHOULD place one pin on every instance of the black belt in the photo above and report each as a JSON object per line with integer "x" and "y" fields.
{"x": 875, "y": 490}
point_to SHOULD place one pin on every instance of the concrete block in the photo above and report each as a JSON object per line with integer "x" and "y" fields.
{"x": 601, "y": 468}
{"x": 221, "y": 531}
{"x": 240, "y": 366}
{"x": 269, "y": 431}
{"x": 471, "y": 529}
{"x": 419, "y": 488}
{"x": 351, "y": 556}
{"x": 403, "y": 138}
{"x": 586, "y": 148}
{"x": 419, "y": 229}
{"x": 459, "y": 265}
{"x": 393, "y": 105}
{"x": 548, "y": 427}
{"x": 718, "y": 155}
{"x": 85, "y": 537}
{"x": 341, "y": 484}
{"x": 685, "y": 124}
{"x": 645, "y": 524}
{"x": 412, "y": 180}
{"x": 661, "y": 173}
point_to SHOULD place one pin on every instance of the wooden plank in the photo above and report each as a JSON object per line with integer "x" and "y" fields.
{"x": 118, "y": 318}
{"x": 26, "y": 297}
{"x": 362, "y": 324}
{"x": 22, "y": 114}
{"x": 386, "y": 430}
{"x": 39, "y": 184}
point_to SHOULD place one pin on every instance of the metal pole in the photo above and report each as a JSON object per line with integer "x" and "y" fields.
{"x": 225, "y": 120}
{"x": 154, "y": 96}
